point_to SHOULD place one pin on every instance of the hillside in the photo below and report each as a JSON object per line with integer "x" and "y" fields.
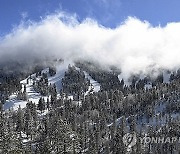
{"x": 80, "y": 108}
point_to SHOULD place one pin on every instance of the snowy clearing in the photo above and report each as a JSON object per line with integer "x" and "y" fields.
{"x": 95, "y": 84}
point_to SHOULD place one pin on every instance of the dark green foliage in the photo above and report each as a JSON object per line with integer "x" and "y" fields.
{"x": 93, "y": 122}
{"x": 41, "y": 104}
{"x": 52, "y": 71}
{"x": 74, "y": 82}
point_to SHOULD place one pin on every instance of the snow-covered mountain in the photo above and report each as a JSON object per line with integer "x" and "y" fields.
{"x": 34, "y": 96}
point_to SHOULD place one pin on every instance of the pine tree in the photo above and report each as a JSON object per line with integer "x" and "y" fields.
{"x": 19, "y": 122}
{"x": 28, "y": 123}
{"x": 41, "y": 104}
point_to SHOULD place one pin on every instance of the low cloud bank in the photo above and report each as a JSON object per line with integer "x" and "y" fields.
{"x": 135, "y": 46}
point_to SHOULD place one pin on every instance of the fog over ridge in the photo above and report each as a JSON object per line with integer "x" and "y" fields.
{"x": 134, "y": 46}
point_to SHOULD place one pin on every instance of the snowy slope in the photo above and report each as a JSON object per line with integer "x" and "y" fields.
{"x": 12, "y": 102}
{"x": 32, "y": 95}
{"x": 95, "y": 84}
{"x": 148, "y": 86}
{"x": 57, "y": 78}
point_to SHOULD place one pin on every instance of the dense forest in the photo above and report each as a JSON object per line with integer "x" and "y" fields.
{"x": 78, "y": 119}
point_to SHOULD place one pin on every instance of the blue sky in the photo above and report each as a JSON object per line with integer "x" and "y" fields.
{"x": 109, "y": 13}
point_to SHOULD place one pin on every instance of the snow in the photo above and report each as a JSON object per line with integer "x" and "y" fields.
{"x": 166, "y": 76}
{"x": 32, "y": 95}
{"x": 95, "y": 84}
{"x": 89, "y": 90}
{"x": 126, "y": 81}
{"x": 117, "y": 122}
{"x": 14, "y": 103}
{"x": 46, "y": 70}
{"x": 72, "y": 136}
{"x": 148, "y": 86}
{"x": 160, "y": 107}
{"x": 77, "y": 103}
{"x": 70, "y": 97}
{"x": 57, "y": 78}
{"x": 45, "y": 112}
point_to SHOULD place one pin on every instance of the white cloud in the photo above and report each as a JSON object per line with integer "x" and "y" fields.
{"x": 24, "y": 15}
{"x": 134, "y": 46}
